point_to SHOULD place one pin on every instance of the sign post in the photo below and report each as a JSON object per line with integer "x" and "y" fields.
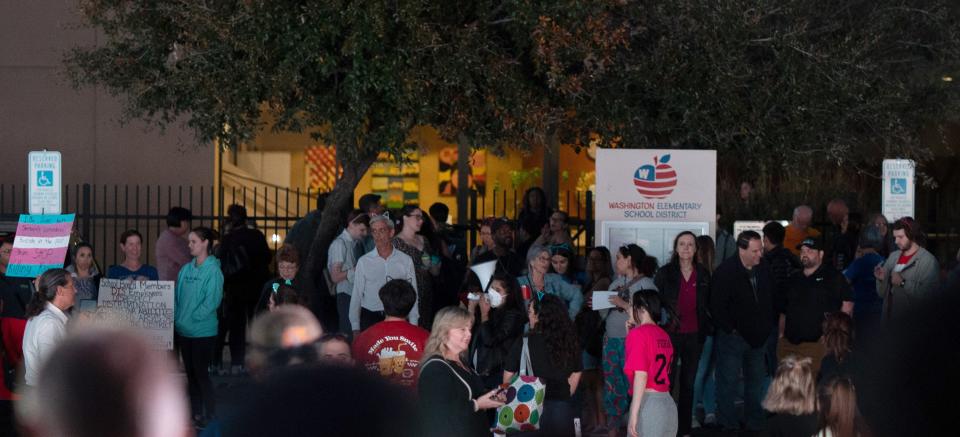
{"x": 898, "y": 188}
{"x": 43, "y": 173}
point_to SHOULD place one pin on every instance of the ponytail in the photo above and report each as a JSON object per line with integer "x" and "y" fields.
{"x": 46, "y": 290}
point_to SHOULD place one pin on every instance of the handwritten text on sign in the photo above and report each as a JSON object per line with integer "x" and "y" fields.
{"x": 146, "y": 304}
{"x": 41, "y": 244}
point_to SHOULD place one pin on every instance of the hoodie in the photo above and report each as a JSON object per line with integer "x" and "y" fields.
{"x": 199, "y": 291}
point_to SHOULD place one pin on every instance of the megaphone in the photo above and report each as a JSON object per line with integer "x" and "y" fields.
{"x": 484, "y": 271}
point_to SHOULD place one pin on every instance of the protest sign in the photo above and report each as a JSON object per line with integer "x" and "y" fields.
{"x": 144, "y": 304}
{"x": 41, "y": 244}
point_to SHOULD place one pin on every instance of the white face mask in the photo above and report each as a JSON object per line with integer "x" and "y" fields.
{"x": 495, "y": 298}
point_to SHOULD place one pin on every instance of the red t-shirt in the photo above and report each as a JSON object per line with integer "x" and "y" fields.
{"x": 393, "y": 349}
{"x": 648, "y": 349}
{"x": 687, "y": 304}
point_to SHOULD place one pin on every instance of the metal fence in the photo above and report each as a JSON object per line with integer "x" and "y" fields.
{"x": 507, "y": 203}
{"x": 103, "y": 212}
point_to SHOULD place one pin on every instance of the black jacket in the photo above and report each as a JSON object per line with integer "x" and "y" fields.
{"x": 737, "y": 307}
{"x": 493, "y": 339}
{"x": 668, "y": 280}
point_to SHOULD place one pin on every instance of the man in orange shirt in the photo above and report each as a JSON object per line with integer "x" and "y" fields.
{"x": 799, "y": 229}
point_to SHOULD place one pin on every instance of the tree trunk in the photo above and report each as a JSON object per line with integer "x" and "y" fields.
{"x": 337, "y": 204}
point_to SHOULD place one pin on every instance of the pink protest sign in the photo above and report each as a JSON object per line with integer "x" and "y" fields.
{"x": 41, "y": 244}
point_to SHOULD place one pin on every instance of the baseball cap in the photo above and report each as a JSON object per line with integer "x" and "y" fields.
{"x": 811, "y": 242}
{"x": 499, "y": 223}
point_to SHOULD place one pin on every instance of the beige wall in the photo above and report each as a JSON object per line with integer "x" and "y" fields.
{"x": 38, "y": 109}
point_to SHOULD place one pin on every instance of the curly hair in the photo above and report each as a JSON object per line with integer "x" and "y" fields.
{"x": 558, "y": 331}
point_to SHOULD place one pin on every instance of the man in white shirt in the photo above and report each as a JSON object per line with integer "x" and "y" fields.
{"x": 342, "y": 258}
{"x": 373, "y": 271}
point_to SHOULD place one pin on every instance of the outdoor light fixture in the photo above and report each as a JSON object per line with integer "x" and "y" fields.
{"x": 947, "y": 78}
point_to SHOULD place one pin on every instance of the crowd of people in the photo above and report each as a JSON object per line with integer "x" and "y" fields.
{"x": 758, "y": 338}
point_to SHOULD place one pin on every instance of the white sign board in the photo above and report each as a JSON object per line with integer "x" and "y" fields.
{"x": 754, "y": 225}
{"x": 898, "y": 188}
{"x": 656, "y": 238}
{"x": 43, "y": 174}
{"x": 145, "y": 304}
{"x": 658, "y": 187}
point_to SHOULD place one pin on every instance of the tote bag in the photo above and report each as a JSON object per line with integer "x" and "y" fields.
{"x": 524, "y": 405}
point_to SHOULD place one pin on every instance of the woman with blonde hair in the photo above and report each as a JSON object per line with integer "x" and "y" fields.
{"x": 451, "y": 393}
{"x": 792, "y": 398}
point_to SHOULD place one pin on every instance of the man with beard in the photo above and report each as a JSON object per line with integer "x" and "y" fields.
{"x": 814, "y": 291}
{"x": 910, "y": 274}
{"x": 508, "y": 262}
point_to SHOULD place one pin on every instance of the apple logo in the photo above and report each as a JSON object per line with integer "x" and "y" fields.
{"x": 655, "y": 181}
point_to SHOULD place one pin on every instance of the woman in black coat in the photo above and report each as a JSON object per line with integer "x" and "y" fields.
{"x": 684, "y": 285}
{"x": 496, "y": 327}
{"x": 453, "y": 401}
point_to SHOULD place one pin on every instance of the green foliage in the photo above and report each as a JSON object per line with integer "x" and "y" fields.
{"x": 778, "y": 87}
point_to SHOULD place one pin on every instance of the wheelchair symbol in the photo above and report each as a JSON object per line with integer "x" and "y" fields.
{"x": 44, "y": 178}
{"x": 898, "y": 186}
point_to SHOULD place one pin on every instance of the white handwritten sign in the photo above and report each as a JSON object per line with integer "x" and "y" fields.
{"x": 145, "y": 304}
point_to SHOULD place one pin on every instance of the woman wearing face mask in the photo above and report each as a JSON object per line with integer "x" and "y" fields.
{"x": 539, "y": 279}
{"x": 86, "y": 276}
{"x": 498, "y": 322}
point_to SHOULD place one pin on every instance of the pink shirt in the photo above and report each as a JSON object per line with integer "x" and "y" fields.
{"x": 172, "y": 253}
{"x": 687, "y": 304}
{"x": 648, "y": 349}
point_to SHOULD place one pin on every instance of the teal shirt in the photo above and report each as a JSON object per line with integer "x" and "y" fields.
{"x": 199, "y": 291}
{"x": 554, "y": 284}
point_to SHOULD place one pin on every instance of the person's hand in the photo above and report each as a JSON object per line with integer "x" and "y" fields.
{"x": 484, "y": 306}
{"x": 632, "y": 428}
{"x": 472, "y": 304}
{"x": 879, "y": 273}
{"x": 619, "y": 302}
{"x": 545, "y": 231}
{"x": 628, "y": 325}
{"x": 896, "y": 278}
{"x": 492, "y": 399}
{"x": 589, "y": 301}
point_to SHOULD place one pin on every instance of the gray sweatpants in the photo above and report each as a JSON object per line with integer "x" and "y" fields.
{"x": 658, "y": 415}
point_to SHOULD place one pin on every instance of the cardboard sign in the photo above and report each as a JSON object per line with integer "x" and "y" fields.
{"x": 144, "y": 304}
{"x": 41, "y": 244}
{"x": 754, "y": 225}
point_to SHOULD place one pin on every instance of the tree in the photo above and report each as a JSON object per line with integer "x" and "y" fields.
{"x": 791, "y": 89}
{"x": 338, "y": 70}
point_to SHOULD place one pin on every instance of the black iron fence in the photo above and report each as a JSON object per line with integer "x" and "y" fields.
{"x": 103, "y": 212}
{"x": 578, "y": 205}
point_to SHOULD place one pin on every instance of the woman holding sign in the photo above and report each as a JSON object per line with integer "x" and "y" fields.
{"x": 199, "y": 291}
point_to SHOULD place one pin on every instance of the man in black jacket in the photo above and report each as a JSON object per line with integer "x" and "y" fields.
{"x": 742, "y": 304}
{"x": 784, "y": 265}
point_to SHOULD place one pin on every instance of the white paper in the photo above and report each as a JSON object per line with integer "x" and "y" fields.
{"x": 601, "y": 299}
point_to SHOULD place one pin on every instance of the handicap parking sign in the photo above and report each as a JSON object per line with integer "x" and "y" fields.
{"x": 898, "y": 186}
{"x": 45, "y": 178}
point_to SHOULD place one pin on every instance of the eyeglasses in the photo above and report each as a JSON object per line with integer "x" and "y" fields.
{"x": 416, "y": 216}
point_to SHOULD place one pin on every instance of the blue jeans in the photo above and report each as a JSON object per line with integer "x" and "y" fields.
{"x": 734, "y": 354}
{"x": 705, "y": 385}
